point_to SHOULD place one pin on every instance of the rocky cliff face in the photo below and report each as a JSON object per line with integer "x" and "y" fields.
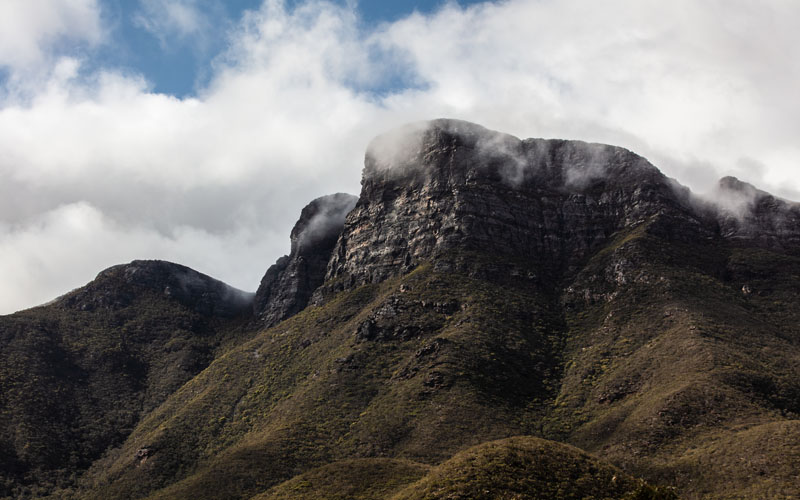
{"x": 288, "y": 284}
{"x": 443, "y": 185}
{"x": 432, "y": 187}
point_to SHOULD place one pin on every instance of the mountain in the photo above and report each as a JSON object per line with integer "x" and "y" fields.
{"x": 490, "y": 318}
{"x": 77, "y": 375}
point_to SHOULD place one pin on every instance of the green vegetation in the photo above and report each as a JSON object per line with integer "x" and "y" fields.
{"x": 438, "y": 375}
{"x": 689, "y": 346}
{"x": 75, "y": 377}
{"x": 674, "y": 361}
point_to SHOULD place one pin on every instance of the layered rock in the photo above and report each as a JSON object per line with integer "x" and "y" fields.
{"x": 437, "y": 186}
{"x": 288, "y": 284}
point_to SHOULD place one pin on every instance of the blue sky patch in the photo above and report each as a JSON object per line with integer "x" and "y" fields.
{"x": 181, "y": 63}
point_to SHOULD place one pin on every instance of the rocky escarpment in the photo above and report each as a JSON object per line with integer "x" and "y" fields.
{"x": 433, "y": 187}
{"x": 288, "y": 284}
{"x": 120, "y": 285}
{"x": 442, "y": 185}
{"x": 566, "y": 290}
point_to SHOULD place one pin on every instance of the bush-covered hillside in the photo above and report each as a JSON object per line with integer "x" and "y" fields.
{"x": 491, "y": 318}
{"x": 77, "y": 375}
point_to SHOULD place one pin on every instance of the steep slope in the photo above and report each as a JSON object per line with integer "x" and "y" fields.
{"x": 403, "y": 368}
{"x": 484, "y": 287}
{"x": 76, "y": 375}
{"x": 756, "y": 217}
{"x": 671, "y": 350}
{"x": 431, "y": 188}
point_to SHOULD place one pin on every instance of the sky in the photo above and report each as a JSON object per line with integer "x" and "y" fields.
{"x": 195, "y": 130}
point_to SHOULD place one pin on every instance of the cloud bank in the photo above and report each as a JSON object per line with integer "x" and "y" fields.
{"x": 98, "y": 170}
{"x": 30, "y": 30}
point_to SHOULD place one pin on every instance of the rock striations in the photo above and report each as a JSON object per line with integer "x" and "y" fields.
{"x": 433, "y": 187}
{"x": 436, "y": 186}
{"x": 288, "y": 284}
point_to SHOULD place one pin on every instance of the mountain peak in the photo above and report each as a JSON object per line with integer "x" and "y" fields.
{"x": 120, "y": 285}
{"x": 411, "y": 143}
{"x": 456, "y": 151}
{"x": 320, "y": 221}
{"x": 747, "y": 213}
{"x": 731, "y": 183}
{"x": 429, "y": 187}
{"x": 553, "y": 288}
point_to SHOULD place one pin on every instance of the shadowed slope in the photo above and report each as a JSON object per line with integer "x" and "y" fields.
{"x": 76, "y": 375}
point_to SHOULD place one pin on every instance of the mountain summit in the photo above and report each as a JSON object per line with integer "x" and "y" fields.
{"x": 490, "y": 318}
{"x": 432, "y": 187}
{"x": 119, "y": 285}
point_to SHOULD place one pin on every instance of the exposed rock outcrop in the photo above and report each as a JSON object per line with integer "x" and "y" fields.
{"x": 432, "y": 187}
{"x": 591, "y": 300}
{"x": 288, "y": 284}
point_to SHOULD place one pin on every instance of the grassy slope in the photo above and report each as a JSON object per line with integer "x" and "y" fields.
{"x": 676, "y": 359}
{"x": 653, "y": 358}
{"x": 445, "y": 375}
{"x": 521, "y": 467}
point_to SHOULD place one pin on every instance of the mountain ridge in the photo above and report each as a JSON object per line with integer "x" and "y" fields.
{"x": 480, "y": 287}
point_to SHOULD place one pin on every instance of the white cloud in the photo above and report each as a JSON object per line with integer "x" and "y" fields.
{"x": 703, "y": 89}
{"x": 64, "y": 247}
{"x": 31, "y": 29}
{"x": 176, "y": 20}
{"x": 675, "y": 81}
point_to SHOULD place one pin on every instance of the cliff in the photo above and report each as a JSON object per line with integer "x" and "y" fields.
{"x": 433, "y": 187}
{"x": 287, "y": 286}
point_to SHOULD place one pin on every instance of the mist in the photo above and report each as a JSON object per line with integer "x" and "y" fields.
{"x": 325, "y": 223}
